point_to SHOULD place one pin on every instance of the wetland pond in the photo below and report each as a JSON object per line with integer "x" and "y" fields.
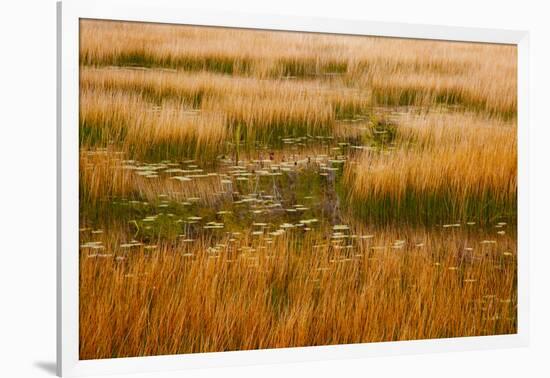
{"x": 251, "y": 196}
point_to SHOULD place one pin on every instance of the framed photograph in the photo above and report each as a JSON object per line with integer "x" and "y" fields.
{"x": 238, "y": 189}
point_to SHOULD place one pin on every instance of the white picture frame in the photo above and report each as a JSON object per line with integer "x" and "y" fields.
{"x": 164, "y": 11}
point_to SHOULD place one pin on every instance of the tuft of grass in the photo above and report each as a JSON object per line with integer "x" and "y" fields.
{"x": 146, "y": 130}
{"x": 449, "y": 171}
{"x": 265, "y": 111}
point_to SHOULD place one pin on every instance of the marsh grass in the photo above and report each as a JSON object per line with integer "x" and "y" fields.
{"x": 104, "y": 175}
{"x": 145, "y": 130}
{"x": 263, "y": 111}
{"x": 404, "y": 72}
{"x": 289, "y": 293}
{"x": 454, "y": 168}
{"x": 252, "y": 189}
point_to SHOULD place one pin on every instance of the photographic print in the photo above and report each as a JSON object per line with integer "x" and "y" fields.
{"x": 249, "y": 189}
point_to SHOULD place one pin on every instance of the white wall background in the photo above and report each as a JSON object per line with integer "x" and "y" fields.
{"x": 27, "y": 187}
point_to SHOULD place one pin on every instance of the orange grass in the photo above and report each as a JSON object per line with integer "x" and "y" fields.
{"x": 263, "y": 110}
{"x": 397, "y": 71}
{"x": 292, "y": 294}
{"x": 143, "y": 129}
{"x": 423, "y": 135}
{"x": 456, "y": 168}
{"x": 104, "y": 177}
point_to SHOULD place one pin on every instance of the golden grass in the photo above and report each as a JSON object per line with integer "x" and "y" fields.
{"x": 143, "y": 129}
{"x": 411, "y": 144}
{"x": 397, "y": 71}
{"x": 101, "y": 176}
{"x": 159, "y": 84}
{"x": 495, "y": 93}
{"x": 262, "y": 109}
{"x": 292, "y": 294}
{"x": 457, "y": 168}
{"x": 104, "y": 176}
